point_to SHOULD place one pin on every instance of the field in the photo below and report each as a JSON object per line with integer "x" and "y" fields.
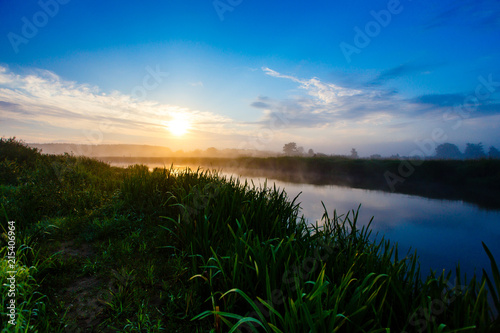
{"x": 129, "y": 250}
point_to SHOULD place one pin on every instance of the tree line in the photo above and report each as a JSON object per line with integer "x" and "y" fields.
{"x": 444, "y": 151}
{"x": 449, "y": 151}
{"x": 291, "y": 149}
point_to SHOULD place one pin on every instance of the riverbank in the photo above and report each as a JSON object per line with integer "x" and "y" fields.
{"x": 132, "y": 250}
{"x": 474, "y": 181}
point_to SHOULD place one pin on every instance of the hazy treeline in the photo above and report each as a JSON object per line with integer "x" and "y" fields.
{"x": 472, "y": 151}
{"x": 129, "y": 150}
{"x": 447, "y": 151}
{"x": 442, "y": 151}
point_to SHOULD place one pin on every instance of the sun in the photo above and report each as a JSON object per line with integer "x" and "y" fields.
{"x": 178, "y": 126}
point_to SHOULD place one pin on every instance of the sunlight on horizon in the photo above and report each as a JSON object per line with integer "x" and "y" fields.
{"x": 178, "y": 126}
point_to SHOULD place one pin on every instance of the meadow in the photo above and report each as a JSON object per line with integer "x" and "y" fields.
{"x": 132, "y": 250}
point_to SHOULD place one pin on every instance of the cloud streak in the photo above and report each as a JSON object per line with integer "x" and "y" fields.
{"x": 326, "y": 104}
{"x": 475, "y": 13}
{"x": 403, "y": 70}
{"x": 44, "y": 97}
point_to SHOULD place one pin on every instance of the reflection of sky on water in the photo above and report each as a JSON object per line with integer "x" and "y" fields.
{"x": 443, "y": 232}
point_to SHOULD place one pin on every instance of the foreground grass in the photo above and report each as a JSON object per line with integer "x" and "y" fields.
{"x": 129, "y": 250}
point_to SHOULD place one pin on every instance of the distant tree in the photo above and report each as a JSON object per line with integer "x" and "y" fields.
{"x": 474, "y": 151}
{"x": 300, "y": 150}
{"x": 211, "y": 151}
{"x": 448, "y": 151}
{"x": 290, "y": 148}
{"x": 494, "y": 153}
{"x": 310, "y": 152}
{"x": 354, "y": 153}
{"x": 376, "y": 156}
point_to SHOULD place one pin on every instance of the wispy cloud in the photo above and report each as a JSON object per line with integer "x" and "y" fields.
{"x": 325, "y": 92}
{"x": 441, "y": 100}
{"x": 260, "y": 105}
{"x": 474, "y": 13}
{"x": 370, "y": 114}
{"x": 327, "y": 104}
{"x": 402, "y": 70}
{"x": 42, "y": 96}
{"x": 196, "y": 84}
{"x": 480, "y": 107}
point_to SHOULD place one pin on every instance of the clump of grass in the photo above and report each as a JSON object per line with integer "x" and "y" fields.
{"x": 31, "y": 268}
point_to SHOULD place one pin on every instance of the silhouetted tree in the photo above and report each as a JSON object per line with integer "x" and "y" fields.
{"x": 375, "y": 156}
{"x": 448, "y": 151}
{"x": 310, "y": 152}
{"x": 494, "y": 153}
{"x": 290, "y": 148}
{"x": 474, "y": 151}
{"x": 300, "y": 150}
{"x": 354, "y": 153}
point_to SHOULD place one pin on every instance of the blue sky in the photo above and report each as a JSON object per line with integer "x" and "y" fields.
{"x": 381, "y": 76}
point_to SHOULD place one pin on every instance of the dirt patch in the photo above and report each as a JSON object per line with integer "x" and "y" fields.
{"x": 85, "y": 296}
{"x": 69, "y": 248}
{"x": 84, "y": 301}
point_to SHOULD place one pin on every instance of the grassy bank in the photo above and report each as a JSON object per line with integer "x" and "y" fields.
{"x": 475, "y": 181}
{"x": 130, "y": 250}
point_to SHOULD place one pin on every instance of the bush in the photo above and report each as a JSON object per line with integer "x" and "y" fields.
{"x": 12, "y": 149}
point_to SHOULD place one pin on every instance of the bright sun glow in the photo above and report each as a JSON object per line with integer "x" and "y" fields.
{"x": 178, "y": 127}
